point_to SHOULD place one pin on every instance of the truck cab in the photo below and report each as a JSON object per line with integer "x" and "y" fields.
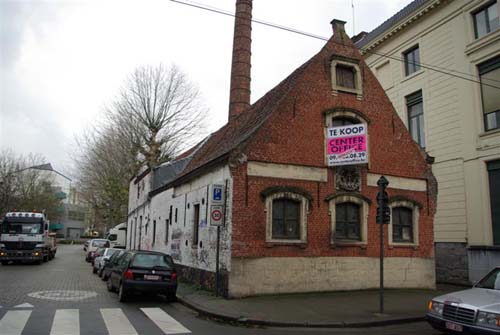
{"x": 117, "y": 235}
{"x": 24, "y": 236}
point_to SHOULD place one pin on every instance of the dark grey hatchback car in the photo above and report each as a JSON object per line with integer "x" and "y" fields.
{"x": 146, "y": 272}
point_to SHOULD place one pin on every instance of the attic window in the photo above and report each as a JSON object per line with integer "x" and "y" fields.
{"x": 346, "y": 78}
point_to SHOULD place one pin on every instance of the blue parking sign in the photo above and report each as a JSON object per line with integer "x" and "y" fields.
{"x": 217, "y": 196}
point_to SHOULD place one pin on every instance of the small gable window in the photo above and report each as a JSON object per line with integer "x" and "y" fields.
{"x": 345, "y": 76}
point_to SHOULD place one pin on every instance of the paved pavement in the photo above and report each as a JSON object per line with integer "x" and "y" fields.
{"x": 63, "y": 297}
{"x": 337, "y": 309}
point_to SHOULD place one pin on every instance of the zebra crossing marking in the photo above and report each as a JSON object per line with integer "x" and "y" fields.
{"x": 25, "y": 305}
{"x": 13, "y": 322}
{"x": 164, "y": 321}
{"x": 116, "y": 322}
{"x": 66, "y": 322}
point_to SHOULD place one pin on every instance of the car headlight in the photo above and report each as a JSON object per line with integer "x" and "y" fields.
{"x": 435, "y": 307}
{"x": 488, "y": 319}
{"x": 2, "y": 246}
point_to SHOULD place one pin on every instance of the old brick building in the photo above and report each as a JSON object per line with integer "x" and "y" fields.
{"x": 300, "y": 201}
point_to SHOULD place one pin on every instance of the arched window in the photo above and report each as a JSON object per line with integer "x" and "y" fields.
{"x": 347, "y": 221}
{"x": 403, "y": 228}
{"x": 402, "y": 224}
{"x": 286, "y": 219}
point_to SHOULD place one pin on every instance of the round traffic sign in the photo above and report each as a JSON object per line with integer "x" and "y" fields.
{"x": 216, "y": 215}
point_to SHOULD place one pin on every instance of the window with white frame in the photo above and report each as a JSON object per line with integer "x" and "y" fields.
{"x": 286, "y": 217}
{"x": 486, "y": 19}
{"x": 349, "y": 219}
{"x": 403, "y": 227}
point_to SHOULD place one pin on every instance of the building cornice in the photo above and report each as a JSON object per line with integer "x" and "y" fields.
{"x": 401, "y": 25}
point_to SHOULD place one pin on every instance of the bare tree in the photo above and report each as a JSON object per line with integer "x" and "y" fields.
{"x": 157, "y": 113}
{"x": 160, "y": 111}
{"x": 24, "y": 187}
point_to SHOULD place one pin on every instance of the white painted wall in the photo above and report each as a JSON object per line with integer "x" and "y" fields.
{"x": 178, "y": 240}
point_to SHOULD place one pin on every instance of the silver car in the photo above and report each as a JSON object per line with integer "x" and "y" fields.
{"x": 472, "y": 311}
{"x": 100, "y": 260}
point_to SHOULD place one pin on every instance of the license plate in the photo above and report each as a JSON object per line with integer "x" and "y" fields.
{"x": 151, "y": 277}
{"x": 454, "y": 326}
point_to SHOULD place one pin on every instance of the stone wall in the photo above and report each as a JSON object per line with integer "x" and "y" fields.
{"x": 277, "y": 275}
{"x": 451, "y": 263}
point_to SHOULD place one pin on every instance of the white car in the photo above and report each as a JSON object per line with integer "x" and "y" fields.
{"x": 473, "y": 311}
{"x": 95, "y": 244}
{"x": 100, "y": 260}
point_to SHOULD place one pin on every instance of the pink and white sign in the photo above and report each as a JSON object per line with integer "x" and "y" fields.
{"x": 347, "y": 145}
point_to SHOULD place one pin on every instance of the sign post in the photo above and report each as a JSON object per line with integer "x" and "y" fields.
{"x": 217, "y": 218}
{"x": 383, "y": 217}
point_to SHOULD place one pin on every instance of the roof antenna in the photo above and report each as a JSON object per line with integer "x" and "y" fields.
{"x": 352, "y": 5}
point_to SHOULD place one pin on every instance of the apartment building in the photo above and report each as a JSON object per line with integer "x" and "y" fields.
{"x": 439, "y": 63}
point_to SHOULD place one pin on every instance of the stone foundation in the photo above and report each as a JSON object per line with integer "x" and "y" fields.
{"x": 451, "y": 263}
{"x": 205, "y": 279}
{"x": 278, "y": 275}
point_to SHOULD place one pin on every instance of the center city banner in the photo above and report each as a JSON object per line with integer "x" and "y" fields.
{"x": 347, "y": 145}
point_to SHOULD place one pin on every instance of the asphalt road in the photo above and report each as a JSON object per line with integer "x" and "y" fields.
{"x": 63, "y": 297}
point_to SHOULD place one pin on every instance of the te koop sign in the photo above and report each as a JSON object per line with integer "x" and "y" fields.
{"x": 347, "y": 145}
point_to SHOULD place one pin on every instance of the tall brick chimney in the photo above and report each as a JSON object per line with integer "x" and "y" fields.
{"x": 239, "y": 95}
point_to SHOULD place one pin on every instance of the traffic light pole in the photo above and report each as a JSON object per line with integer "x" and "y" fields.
{"x": 383, "y": 217}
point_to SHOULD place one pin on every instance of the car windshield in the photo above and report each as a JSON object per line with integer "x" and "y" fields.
{"x": 99, "y": 243}
{"x": 100, "y": 251}
{"x": 111, "y": 252}
{"x": 152, "y": 260}
{"x": 490, "y": 281}
{"x": 22, "y": 228}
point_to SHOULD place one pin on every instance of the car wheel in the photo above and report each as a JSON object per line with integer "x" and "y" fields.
{"x": 45, "y": 258}
{"x": 171, "y": 296}
{"x": 109, "y": 286}
{"x": 94, "y": 269}
{"x": 99, "y": 272}
{"x": 122, "y": 294}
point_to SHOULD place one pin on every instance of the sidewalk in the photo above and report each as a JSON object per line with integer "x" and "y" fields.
{"x": 332, "y": 309}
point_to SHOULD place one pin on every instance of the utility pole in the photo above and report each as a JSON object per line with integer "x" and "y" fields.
{"x": 383, "y": 217}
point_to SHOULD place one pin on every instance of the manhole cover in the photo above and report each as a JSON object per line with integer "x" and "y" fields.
{"x": 63, "y": 295}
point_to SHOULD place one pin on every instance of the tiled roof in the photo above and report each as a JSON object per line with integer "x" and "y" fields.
{"x": 241, "y": 128}
{"x": 410, "y": 8}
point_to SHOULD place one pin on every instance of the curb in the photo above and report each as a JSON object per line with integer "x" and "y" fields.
{"x": 256, "y": 322}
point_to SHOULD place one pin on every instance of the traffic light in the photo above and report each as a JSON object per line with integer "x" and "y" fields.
{"x": 383, "y": 210}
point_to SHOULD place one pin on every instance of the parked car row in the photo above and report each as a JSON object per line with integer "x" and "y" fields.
{"x": 135, "y": 272}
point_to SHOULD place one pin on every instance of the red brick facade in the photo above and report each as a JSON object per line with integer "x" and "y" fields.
{"x": 295, "y": 134}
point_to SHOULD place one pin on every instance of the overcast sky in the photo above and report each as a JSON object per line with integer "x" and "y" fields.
{"x": 62, "y": 61}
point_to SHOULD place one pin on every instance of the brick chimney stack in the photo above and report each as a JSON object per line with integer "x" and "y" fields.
{"x": 239, "y": 95}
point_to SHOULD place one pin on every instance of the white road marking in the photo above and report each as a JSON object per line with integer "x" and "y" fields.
{"x": 66, "y": 322}
{"x": 13, "y": 322}
{"x": 25, "y": 305}
{"x": 164, "y": 321}
{"x": 116, "y": 322}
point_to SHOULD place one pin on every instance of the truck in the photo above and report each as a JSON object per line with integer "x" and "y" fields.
{"x": 25, "y": 237}
{"x": 118, "y": 235}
